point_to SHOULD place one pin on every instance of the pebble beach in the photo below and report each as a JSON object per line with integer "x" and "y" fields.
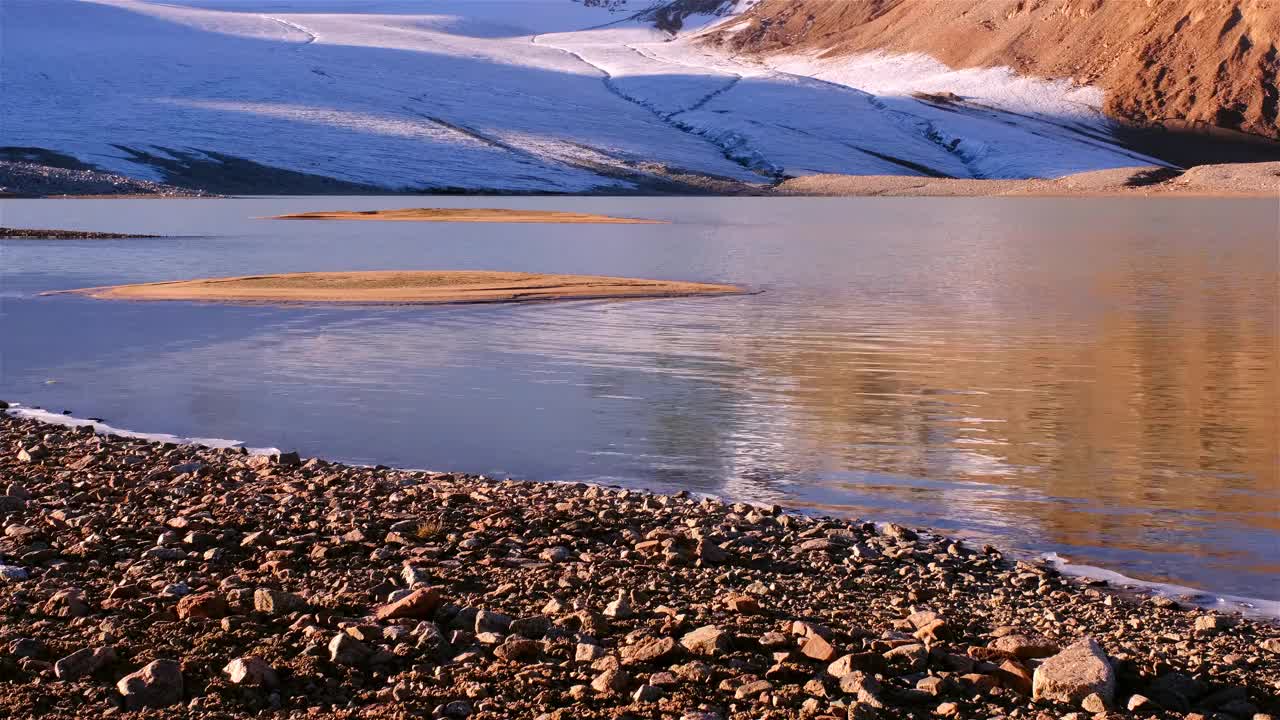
{"x": 147, "y": 579}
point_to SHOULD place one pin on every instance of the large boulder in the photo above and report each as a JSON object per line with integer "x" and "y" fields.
{"x": 1075, "y": 673}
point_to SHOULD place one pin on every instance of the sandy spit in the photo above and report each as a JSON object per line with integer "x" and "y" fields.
{"x": 490, "y": 215}
{"x": 416, "y": 287}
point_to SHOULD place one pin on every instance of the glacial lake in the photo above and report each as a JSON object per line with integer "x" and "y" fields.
{"x": 1092, "y": 377}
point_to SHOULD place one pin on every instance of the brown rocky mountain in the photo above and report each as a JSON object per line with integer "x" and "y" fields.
{"x": 1181, "y": 64}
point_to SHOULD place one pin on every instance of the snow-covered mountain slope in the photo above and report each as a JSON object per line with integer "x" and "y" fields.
{"x": 510, "y": 95}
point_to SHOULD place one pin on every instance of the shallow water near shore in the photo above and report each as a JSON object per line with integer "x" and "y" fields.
{"x": 1093, "y": 377}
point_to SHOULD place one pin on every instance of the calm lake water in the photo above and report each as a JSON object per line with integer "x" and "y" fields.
{"x": 1092, "y": 377}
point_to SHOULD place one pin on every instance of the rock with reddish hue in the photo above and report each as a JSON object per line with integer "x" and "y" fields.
{"x": 274, "y": 602}
{"x": 534, "y": 626}
{"x": 1073, "y": 674}
{"x": 1015, "y": 676}
{"x": 933, "y": 632}
{"x": 346, "y": 650}
{"x": 86, "y": 661}
{"x": 252, "y": 671}
{"x": 742, "y": 604}
{"x": 908, "y": 658}
{"x": 710, "y": 553}
{"x": 648, "y": 650}
{"x": 865, "y": 688}
{"x": 68, "y": 603}
{"x": 619, "y": 608}
{"x": 817, "y": 648}
{"x": 421, "y": 604}
{"x": 804, "y": 629}
{"x": 931, "y": 685}
{"x": 611, "y": 681}
{"x": 586, "y": 652}
{"x": 1138, "y": 703}
{"x": 1213, "y": 624}
{"x": 1094, "y": 703}
{"x": 646, "y": 694}
{"x": 708, "y": 640}
{"x": 202, "y": 606}
{"x": 517, "y": 649}
{"x": 26, "y": 648}
{"x": 848, "y": 664}
{"x": 494, "y": 622}
{"x": 752, "y": 689}
{"x": 923, "y": 618}
{"x": 157, "y": 685}
{"x": 1025, "y": 646}
{"x": 32, "y": 454}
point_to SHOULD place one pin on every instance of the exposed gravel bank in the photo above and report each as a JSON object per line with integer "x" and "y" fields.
{"x": 1229, "y": 180}
{"x": 9, "y": 233}
{"x": 218, "y": 585}
{"x": 28, "y": 179}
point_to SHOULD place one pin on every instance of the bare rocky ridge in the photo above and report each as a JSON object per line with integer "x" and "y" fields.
{"x": 1168, "y": 62}
{"x": 181, "y": 581}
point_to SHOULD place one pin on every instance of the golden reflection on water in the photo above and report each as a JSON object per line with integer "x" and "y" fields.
{"x": 1161, "y": 395}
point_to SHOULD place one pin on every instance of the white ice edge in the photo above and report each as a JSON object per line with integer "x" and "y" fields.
{"x": 19, "y": 410}
{"x": 1208, "y": 600}
{"x": 1249, "y": 607}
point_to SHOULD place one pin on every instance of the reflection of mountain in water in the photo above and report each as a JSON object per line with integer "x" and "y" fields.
{"x": 1126, "y": 423}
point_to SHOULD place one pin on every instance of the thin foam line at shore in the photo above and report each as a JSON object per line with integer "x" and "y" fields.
{"x": 53, "y": 418}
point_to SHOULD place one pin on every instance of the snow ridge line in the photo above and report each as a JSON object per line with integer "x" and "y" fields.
{"x": 930, "y": 131}
{"x": 1089, "y": 135}
{"x": 927, "y": 129}
{"x": 311, "y": 37}
{"x": 522, "y": 154}
{"x": 710, "y": 96}
{"x": 698, "y": 105}
{"x": 732, "y": 145}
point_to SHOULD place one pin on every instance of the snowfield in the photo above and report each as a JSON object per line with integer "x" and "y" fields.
{"x": 505, "y": 95}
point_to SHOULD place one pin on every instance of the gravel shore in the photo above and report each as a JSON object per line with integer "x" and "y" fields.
{"x": 31, "y": 179}
{"x": 8, "y": 233}
{"x": 161, "y": 580}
